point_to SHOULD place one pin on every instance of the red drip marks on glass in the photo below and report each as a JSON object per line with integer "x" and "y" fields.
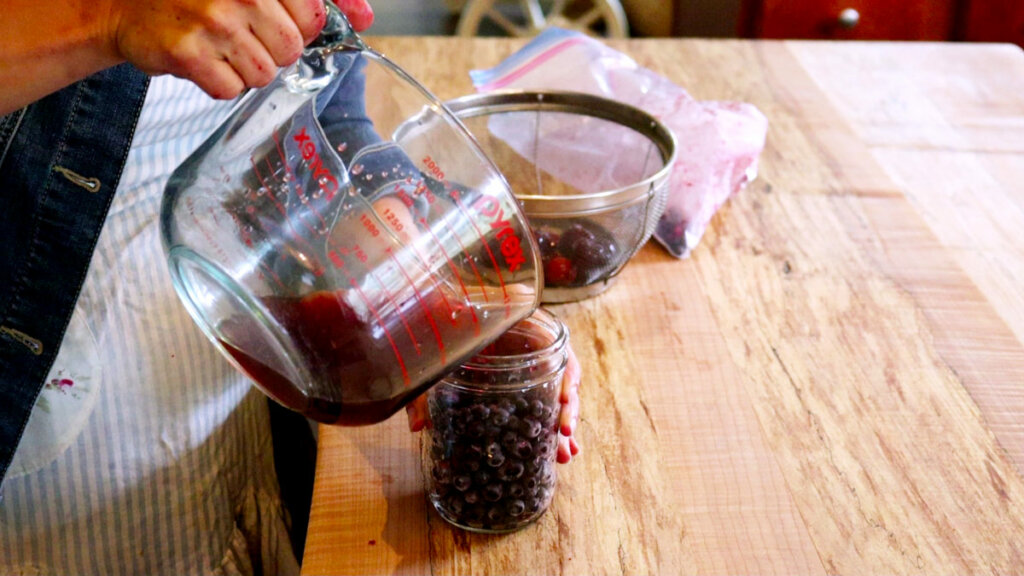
{"x": 427, "y": 313}
{"x": 387, "y": 333}
{"x": 455, "y": 274}
{"x": 469, "y": 259}
{"x": 490, "y": 254}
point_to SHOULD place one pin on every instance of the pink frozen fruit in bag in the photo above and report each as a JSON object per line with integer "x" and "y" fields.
{"x": 718, "y": 142}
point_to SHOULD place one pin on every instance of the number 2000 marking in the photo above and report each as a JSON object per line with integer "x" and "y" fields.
{"x": 435, "y": 170}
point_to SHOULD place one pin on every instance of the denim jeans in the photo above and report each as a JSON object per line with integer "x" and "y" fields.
{"x": 60, "y": 162}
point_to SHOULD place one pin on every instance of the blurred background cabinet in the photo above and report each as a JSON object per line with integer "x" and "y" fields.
{"x": 937, "y": 20}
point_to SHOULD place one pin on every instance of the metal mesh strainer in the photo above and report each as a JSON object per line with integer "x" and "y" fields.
{"x": 591, "y": 174}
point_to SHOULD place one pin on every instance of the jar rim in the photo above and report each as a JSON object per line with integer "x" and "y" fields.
{"x": 544, "y": 318}
{"x": 497, "y": 364}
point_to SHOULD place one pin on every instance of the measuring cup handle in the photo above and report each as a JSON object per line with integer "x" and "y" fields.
{"x": 337, "y": 31}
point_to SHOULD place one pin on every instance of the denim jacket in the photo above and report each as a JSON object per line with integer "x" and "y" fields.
{"x": 60, "y": 162}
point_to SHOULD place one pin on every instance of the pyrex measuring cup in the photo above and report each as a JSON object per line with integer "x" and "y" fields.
{"x": 342, "y": 239}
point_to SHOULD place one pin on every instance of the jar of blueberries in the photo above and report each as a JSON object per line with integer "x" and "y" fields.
{"x": 490, "y": 456}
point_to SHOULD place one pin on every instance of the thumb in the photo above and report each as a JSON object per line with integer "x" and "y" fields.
{"x": 359, "y": 13}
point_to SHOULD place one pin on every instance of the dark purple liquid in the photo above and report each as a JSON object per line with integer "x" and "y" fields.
{"x": 357, "y": 368}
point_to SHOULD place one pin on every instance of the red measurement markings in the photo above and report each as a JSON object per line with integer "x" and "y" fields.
{"x": 369, "y": 224}
{"x": 501, "y": 280}
{"x": 437, "y": 288}
{"x": 335, "y": 256}
{"x": 317, "y": 267}
{"x": 288, "y": 168}
{"x": 398, "y": 309}
{"x": 476, "y": 272}
{"x": 455, "y": 273}
{"x": 266, "y": 270}
{"x": 387, "y": 333}
{"x": 338, "y": 251}
{"x": 393, "y": 221}
{"x": 419, "y": 298}
{"x": 373, "y": 230}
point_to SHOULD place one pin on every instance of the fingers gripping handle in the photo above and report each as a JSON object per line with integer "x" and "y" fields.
{"x": 337, "y": 32}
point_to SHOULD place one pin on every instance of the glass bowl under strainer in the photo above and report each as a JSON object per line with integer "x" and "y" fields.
{"x": 590, "y": 173}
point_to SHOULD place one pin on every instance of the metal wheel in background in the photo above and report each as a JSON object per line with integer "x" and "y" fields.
{"x": 594, "y": 17}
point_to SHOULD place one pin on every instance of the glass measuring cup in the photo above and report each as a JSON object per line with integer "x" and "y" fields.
{"x": 342, "y": 239}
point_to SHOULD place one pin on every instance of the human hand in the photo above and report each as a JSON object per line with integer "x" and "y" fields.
{"x": 224, "y": 46}
{"x": 419, "y": 415}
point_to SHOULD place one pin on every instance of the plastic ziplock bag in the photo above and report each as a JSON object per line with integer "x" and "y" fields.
{"x": 718, "y": 142}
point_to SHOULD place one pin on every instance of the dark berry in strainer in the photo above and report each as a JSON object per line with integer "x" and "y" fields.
{"x": 576, "y": 253}
{"x": 547, "y": 240}
{"x": 559, "y": 271}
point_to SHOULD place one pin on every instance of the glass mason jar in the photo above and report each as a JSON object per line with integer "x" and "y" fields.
{"x": 490, "y": 455}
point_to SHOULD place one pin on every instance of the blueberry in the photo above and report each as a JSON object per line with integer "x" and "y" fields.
{"x": 480, "y": 411}
{"x": 515, "y": 508}
{"x": 521, "y": 405}
{"x": 537, "y": 408}
{"x": 544, "y": 449}
{"x": 472, "y": 497}
{"x": 534, "y": 465}
{"x": 531, "y": 428}
{"x": 454, "y": 505}
{"x": 531, "y": 484}
{"x": 446, "y": 399}
{"x": 495, "y": 514}
{"x": 495, "y": 459}
{"x": 462, "y": 482}
{"x": 516, "y": 490}
{"x": 513, "y": 422}
{"x": 442, "y": 473}
{"x": 551, "y": 419}
{"x": 474, "y": 516}
{"x": 476, "y": 429}
{"x": 493, "y": 492}
{"x": 508, "y": 440}
{"x": 481, "y": 478}
{"x": 511, "y": 471}
{"x": 500, "y": 417}
{"x": 523, "y": 449}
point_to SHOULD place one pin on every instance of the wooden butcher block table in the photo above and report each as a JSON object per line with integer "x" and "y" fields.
{"x": 832, "y": 383}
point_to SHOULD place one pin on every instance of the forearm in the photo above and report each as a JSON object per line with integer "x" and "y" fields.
{"x": 42, "y": 51}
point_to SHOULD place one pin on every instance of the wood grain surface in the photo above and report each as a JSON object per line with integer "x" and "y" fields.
{"x": 832, "y": 383}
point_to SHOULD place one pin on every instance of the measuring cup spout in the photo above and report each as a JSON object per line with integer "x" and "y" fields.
{"x": 337, "y": 32}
